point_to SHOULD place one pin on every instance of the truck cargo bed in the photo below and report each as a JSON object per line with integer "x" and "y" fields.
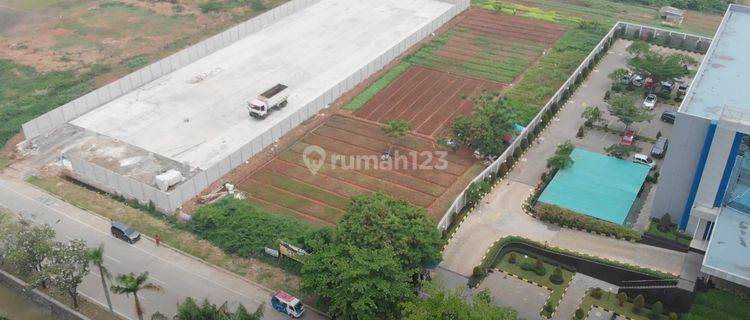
{"x": 273, "y": 91}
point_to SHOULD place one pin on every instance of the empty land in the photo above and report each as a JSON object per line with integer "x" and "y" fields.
{"x": 286, "y": 185}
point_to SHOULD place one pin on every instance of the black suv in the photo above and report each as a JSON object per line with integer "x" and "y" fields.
{"x": 660, "y": 148}
{"x": 668, "y": 116}
{"x": 125, "y": 232}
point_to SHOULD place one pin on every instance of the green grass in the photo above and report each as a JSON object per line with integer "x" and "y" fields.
{"x": 671, "y": 235}
{"x": 376, "y": 87}
{"x": 609, "y": 302}
{"x": 515, "y": 268}
{"x": 605, "y": 11}
{"x": 26, "y": 94}
{"x": 717, "y": 304}
{"x": 545, "y": 78}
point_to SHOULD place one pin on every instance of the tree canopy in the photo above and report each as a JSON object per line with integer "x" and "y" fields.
{"x": 660, "y": 67}
{"x": 491, "y": 121}
{"x": 396, "y": 129}
{"x": 441, "y": 304}
{"x": 639, "y": 48}
{"x": 358, "y": 283}
{"x": 190, "y": 310}
{"x": 561, "y": 159}
{"x": 67, "y": 265}
{"x": 624, "y": 109}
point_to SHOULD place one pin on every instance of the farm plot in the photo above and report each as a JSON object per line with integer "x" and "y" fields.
{"x": 426, "y": 98}
{"x": 489, "y": 46}
{"x": 287, "y": 186}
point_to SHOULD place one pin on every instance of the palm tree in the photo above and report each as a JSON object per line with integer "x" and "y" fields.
{"x": 96, "y": 257}
{"x": 131, "y": 284}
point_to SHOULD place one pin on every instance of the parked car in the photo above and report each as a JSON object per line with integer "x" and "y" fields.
{"x": 650, "y": 101}
{"x": 644, "y": 160}
{"x": 626, "y": 78}
{"x": 682, "y": 90}
{"x": 636, "y": 80}
{"x": 125, "y": 232}
{"x": 667, "y": 86}
{"x": 628, "y": 138}
{"x": 668, "y": 116}
{"x": 660, "y": 147}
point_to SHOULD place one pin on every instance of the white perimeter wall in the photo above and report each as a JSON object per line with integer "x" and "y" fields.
{"x": 171, "y": 201}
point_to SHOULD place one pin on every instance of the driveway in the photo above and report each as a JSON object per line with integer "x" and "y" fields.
{"x": 516, "y": 294}
{"x": 179, "y": 275}
{"x": 500, "y": 213}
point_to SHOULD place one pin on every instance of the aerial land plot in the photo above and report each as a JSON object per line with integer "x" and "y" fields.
{"x": 489, "y": 46}
{"x": 286, "y": 185}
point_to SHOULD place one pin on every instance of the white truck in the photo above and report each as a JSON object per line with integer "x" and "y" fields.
{"x": 274, "y": 98}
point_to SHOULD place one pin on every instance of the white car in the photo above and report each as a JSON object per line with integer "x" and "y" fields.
{"x": 650, "y": 102}
{"x": 644, "y": 160}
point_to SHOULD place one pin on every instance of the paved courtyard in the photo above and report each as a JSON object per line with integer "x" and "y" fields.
{"x": 500, "y": 213}
{"x": 519, "y": 295}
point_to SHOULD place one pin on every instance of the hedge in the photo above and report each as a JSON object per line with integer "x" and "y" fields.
{"x": 571, "y": 219}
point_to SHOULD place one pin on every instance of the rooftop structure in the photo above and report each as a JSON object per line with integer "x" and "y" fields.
{"x": 597, "y": 185}
{"x": 721, "y": 81}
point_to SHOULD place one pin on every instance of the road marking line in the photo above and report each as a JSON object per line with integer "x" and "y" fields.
{"x": 113, "y": 259}
{"x": 157, "y": 280}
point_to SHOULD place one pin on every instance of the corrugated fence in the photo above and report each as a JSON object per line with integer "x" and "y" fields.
{"x": 170, "y": 201}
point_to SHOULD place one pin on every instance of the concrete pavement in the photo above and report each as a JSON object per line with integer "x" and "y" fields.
{"x": 179, "y": 275}
{"x": 500, "y": 213}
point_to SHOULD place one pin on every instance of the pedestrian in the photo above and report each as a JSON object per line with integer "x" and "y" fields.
{"x": 157, "y": 239}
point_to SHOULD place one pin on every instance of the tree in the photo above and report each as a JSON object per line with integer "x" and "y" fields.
{"x": 396, "y": 129}
{"x": 597, "y": 293}
{"x": 620, "y": 151}
{"x": 622, "y": 297}
{"x": 65, "y": 268}
{"x": 618, "y": 74}
{"x": 512, "y": 258}
{"x": 9, "y": 230}
{"x": 492, "y": 122}
{"x": 592, "y": 115}
{"x": 189, "y": 310}
{"x": 673, "y": 316}
{"x": 624, "y": 109}
{"x": 657, "y": 309}
{"x": 639, "y": 48}
{"x": 128, "y": 284}
{"x": 378, "y": 221}
{"x": 659, "y": 67}
{"x": 562, "y": 158}
{"x": 31, "y": 246}
{"x": 580, "y": 314}
{"x": 358, "y": 283}
{"x": 557, "y": 276}
{"x": 441, "y": 304}
{"x": 638, "y": 303}
{"x": 665, "y": 223}
{"x": 96, "y": 257}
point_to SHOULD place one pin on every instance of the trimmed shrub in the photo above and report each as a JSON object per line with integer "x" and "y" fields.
{"x": 512, "y": 258}
{"x": 557, "y": 276}
{"x": 665, "y": 223}
{"x": 622, "y": 297}
{"x": 657, "y": 309}
{"x": 580, "y": 132}
{"x": 479, "y": 272}
{"x": 638, "y": 303}
{"x": 673, "y": 316}
{"x": 567, "y": 218}
{"x": 580, "y": 314}
{"x": 596, "y": 293}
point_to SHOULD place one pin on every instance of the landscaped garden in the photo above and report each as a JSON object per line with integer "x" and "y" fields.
{"x": 664, "y": 228}
{"x": 718, "y": 304}
{"x": 541, "y": 273}
{"x": 631, "y": 307}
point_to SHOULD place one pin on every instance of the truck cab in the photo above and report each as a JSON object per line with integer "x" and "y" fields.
{"x": 273, "y": 98}
{"x": 287, "y": 304}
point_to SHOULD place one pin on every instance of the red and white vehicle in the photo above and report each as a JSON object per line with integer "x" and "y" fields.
{"x": 287, "y": 304}
{"x": 274, "y": 98}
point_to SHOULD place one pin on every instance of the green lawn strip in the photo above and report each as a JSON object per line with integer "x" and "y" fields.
{"x": 609, "y": 302}
{"x": 515, "y": 269}
{"x": 376, "y": 87}
{"x": 671, "y": 235}
{"x": 718, "y": 304}
{"x": 298, "y": 187}
{"x": 459, "y": 68}
{"x": 171, "y": 233}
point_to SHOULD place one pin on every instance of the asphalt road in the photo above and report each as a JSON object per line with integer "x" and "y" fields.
{"x": 179, "y": 275}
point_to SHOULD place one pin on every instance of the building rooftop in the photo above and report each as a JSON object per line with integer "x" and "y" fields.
{"x": 597, "y": 185}
{"x": 729, "y": 247}
{"x": 721, "y": 81}
{"x": 197, "y": 115}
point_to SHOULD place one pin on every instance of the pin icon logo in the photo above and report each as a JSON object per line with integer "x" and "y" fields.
{"x": 314, "y": 157}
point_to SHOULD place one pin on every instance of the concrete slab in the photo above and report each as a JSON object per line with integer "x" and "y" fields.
{"x": 519, "y": 295}
{"x": 197, "y": 115}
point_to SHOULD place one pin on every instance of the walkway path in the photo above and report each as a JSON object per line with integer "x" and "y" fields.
{"x": 575, "y": 293}
{"x": 500, "y": 213}
{"x": 180, "y": 275}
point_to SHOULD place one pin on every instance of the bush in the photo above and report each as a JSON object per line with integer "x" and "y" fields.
{"x": 557, "y": 276}
{"x": 567, "y": 218}
{"x": 580, "y": 314}
{"x": 512, "y": 258}
{"x": 596, "y": 293}
{"x": 638, "y": 303}
{"x": 657, "y": 309}
{"x": 479, "y": 272}
{"x": 665, "y": 223}
{"x": 673, "y": 316}
{"x": 241, "y": 229}
{"x": 476, "y": 191}
{"x": 580, "y": 132}
{"x": 622, "y": 297}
